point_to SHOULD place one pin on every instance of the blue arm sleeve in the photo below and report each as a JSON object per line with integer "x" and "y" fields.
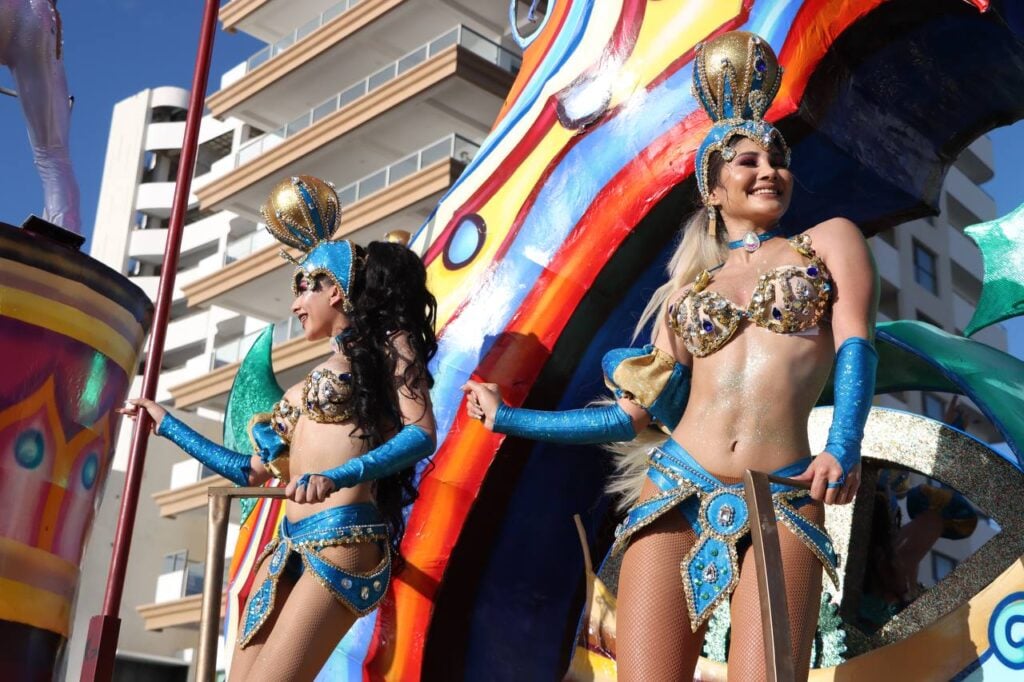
{"x": 605, "y": 424}
{"x": 404, "y": 449}
{"x": 231, "y": 465}
{"x": 650, "y": 378}
{"x": 856, "y": 364}
{"x": 270, "y": 446}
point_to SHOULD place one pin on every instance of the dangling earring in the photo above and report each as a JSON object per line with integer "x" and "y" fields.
{"x": 712, "y": 222}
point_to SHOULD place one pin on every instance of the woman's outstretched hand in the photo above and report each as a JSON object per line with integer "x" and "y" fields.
{"x": 825, "y": 471}
{"x": 318, "y": 489}
{"x": 133, "y": 405}
{"x": 482, "y": 401}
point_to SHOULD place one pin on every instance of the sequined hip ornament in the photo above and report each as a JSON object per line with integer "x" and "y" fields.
{"x": 718, "y": 514}
{"x": 303, "y": 539}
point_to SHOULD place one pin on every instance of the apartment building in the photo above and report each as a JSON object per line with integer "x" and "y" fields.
{"x": 389, "y": 99}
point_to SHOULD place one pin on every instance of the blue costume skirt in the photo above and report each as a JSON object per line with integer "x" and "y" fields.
{"x": 297, "y": 549}
{"x": 718, "y": 514}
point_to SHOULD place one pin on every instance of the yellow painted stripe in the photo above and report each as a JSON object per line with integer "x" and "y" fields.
{"x": 22, "y": 563}
{"x": 27, "y": 278}
{"x": 22, "y": 603}
{"x": 69, "y": 321}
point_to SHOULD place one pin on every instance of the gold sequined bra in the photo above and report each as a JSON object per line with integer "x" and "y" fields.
{"x": 326, "y": 395}
{"x": 787, "y": 300}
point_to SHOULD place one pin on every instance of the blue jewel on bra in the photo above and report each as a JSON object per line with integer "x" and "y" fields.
{"x": 812, "y": 271}
{"x": 708, "y": 327}
{"x": 776, "y": 313}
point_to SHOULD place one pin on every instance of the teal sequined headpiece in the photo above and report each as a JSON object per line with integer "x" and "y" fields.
{"x": 303, "y": 212}
{"x": 735, "y": 77}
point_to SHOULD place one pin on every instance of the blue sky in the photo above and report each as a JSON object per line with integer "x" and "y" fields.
{"x": 115, "y": 48}
{"x": 112, "y": 50}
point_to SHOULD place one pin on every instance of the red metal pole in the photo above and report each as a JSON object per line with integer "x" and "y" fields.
{"x": 101, "y": 645}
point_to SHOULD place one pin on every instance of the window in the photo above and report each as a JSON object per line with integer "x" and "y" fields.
{"x": 924, "y": 268}
{"x": 942, "y": 565}
{"x": 932, "y": 406}
{"x": 175, "y": 561}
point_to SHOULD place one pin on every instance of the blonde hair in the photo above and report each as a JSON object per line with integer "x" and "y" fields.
{"x": 697, "y": 251}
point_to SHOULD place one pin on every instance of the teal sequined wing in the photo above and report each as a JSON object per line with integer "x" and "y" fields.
{"x": 254, "y": 390}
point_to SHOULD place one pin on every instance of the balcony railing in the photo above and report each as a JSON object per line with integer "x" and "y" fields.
{"x": 453, "y": 146}
{"x": 234, "y": 351}
{"x": 460, "y": 35}
{"x": 271, "y": 51}
{"x": 183, "y": 582}
{"x": 242, "y": 247}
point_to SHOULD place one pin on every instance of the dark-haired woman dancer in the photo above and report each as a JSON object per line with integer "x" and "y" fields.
{"x": 346, "y": 438}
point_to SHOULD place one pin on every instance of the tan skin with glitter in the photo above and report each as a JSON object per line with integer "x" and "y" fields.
{"x": 748, "y": 409}
{"x": 307, "y": 621}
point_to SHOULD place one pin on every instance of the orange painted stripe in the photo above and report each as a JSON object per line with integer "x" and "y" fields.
{"x": 49, "y": 524}
{"x": 534, "y": 56}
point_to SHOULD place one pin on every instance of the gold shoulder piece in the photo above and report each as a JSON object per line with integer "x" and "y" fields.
{"x": 642, "y": 378}
{"x": 702, "y": 281}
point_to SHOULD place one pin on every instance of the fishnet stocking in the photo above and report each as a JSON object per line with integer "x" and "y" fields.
{"x": 654, "y": 641}
{"x": 802, "y": 572}
{"x": 307, "y": 623}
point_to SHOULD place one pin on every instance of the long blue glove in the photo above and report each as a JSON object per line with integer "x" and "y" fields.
{"x": 402, "y": 450}
{"x": 586, "y": 426}
{"x": 854, "y": 387}
{"x": 231, "y": 465}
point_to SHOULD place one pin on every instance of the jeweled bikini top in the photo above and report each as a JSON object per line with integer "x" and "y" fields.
{"x": 326, "y": 395}
{"x": 786, "y": 300}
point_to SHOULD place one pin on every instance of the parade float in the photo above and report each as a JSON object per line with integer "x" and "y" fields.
{"x": 546, "y": 248}
{"x": 71, "y": 335}
{"x": 542, "y": 253}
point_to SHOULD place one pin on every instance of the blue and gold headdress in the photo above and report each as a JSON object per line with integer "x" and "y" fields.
{"x": 304, "y": 212}
{"x": 735, "y": 77}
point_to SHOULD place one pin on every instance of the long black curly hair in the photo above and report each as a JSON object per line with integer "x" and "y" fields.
{"x": 390, "y": 302}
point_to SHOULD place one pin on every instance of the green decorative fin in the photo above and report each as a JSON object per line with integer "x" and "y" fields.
{"x": 900, "y": 370}
{"x": 994, "y": 380}
{"x": 1002, "y": 249}
{"x": 254, "y": 390}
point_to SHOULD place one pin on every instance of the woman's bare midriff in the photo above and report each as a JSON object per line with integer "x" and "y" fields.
{"x": 750, "y": 400}
{"x": 316, "y": 447}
